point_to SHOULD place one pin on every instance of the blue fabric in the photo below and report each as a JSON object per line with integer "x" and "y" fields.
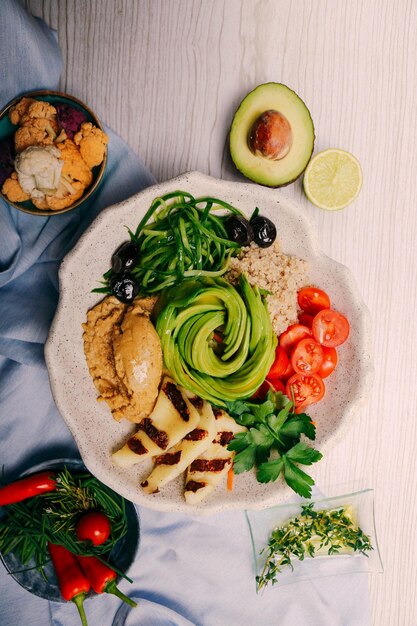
{"x": 189, "y": 570}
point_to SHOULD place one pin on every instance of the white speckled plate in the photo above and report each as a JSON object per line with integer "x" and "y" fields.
{"x": 95, "y": 431}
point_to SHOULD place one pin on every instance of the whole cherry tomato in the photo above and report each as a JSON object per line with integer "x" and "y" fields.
{"x": 93, "y": 526}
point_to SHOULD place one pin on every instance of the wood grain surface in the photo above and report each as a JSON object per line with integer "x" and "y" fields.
{"x": 167, "y": 75}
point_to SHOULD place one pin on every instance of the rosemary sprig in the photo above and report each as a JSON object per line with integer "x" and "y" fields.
{"x": 305, "y": 535}
{"x": 26, "y": 527}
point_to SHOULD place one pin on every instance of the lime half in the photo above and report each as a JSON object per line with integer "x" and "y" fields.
{"x": 333, "y": 179}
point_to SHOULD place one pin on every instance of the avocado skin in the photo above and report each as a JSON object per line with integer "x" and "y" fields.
{"x": 246, "y": 171}
{"x": 290, "y": 182}
{"x": 187, "y": 319}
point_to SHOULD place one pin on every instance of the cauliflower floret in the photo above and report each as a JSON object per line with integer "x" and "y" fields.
{"x": 39, "y": 108}
{"x": 62, "y": 136}
{"x": 38, "y": 132}
{"x": 20, "y": 109}
{"x": 12, "y": 189}
{"x": 92, "y": 142}
{"x": 74, "y": 168}
{"x": 75, "y": 177}
{"x": 59, "y": 200}
{"x": 39, "y": 169}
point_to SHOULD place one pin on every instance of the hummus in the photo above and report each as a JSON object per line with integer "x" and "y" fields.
{"x": 124, "y": 356}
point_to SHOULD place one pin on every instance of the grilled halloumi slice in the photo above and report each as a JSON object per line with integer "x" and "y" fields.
{"x": 207, "y": 470}
{"x": 173, "y": 417}
{"x": 171, "y": 464}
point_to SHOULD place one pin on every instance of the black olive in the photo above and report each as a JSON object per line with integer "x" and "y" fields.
{"x": 239, "y": 230}
{"x": 124, "y": 287}
{"x": 264, "y": 231}
{"x": 125, "y": 257}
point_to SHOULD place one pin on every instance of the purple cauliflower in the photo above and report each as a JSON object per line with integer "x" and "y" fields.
{"x": 69, "y": 118}
{"x": 6, "y": 158}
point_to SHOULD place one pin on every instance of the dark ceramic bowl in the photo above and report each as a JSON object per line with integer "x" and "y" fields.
{"x": 122, "y": 555}
{"x": 7, "y": 129}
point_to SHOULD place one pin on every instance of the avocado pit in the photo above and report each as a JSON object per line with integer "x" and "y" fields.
{"x": 271, "y": 135}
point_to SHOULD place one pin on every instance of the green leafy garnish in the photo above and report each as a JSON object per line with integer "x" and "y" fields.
{"x": 273, "y": 443}
{"x": 330, "y": 531}
{"x": 26, "y": 527}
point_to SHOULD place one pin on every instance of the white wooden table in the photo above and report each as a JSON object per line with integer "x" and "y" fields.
{"x": 167, "y": 75}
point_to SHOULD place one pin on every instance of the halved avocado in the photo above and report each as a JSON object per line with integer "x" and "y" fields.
{"x": 272, "y": 135}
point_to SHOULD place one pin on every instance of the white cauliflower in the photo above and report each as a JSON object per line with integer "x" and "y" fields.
{"x": 39, "y": 169}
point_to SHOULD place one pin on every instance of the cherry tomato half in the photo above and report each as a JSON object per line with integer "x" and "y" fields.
{"x": 93, "y": 526}
{"x": 330, "y": 328}
{"x": 280, "y": 364}
{"x": 288, "y": 372}
{"x": 312, "y": 300}
{"x": 290, "y": 337}
{"x": 275, "y": 384}
{"x": 261, "y": 392}
{"x": 329, "y": 362}
{"x": 307, "y": 356}
{"x": 306, "y": 389}
{"x": 305, "y": 319}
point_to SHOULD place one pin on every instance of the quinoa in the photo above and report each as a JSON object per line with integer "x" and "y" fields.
{"x": 280, "y": 274}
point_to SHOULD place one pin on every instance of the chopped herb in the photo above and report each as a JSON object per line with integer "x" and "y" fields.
{"x": 332, "y": 530}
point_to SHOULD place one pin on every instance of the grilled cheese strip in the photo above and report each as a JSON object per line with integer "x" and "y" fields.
{"x": 176, "y": 460}
{"x": 207, "y": 470}
{"x": 173, "y": 417}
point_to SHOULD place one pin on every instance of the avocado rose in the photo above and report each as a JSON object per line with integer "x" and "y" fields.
{"x": 217, "y": 339}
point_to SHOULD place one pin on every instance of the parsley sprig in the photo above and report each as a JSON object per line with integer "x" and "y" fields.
{"x": 272, "y": 442}
{"x": 328, "y": 530}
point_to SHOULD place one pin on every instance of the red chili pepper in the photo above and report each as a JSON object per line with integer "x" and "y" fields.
{"x": 101, "y": 577}
{"x": 73, "y": 584}
{"x": 27, "y": 487}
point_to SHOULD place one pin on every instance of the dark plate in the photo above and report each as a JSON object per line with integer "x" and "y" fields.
{"x": 122, "y": 555}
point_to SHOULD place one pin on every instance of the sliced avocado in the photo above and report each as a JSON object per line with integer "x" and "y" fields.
{"x": 272, "y": 135}
{"x": 186, "y": 324}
